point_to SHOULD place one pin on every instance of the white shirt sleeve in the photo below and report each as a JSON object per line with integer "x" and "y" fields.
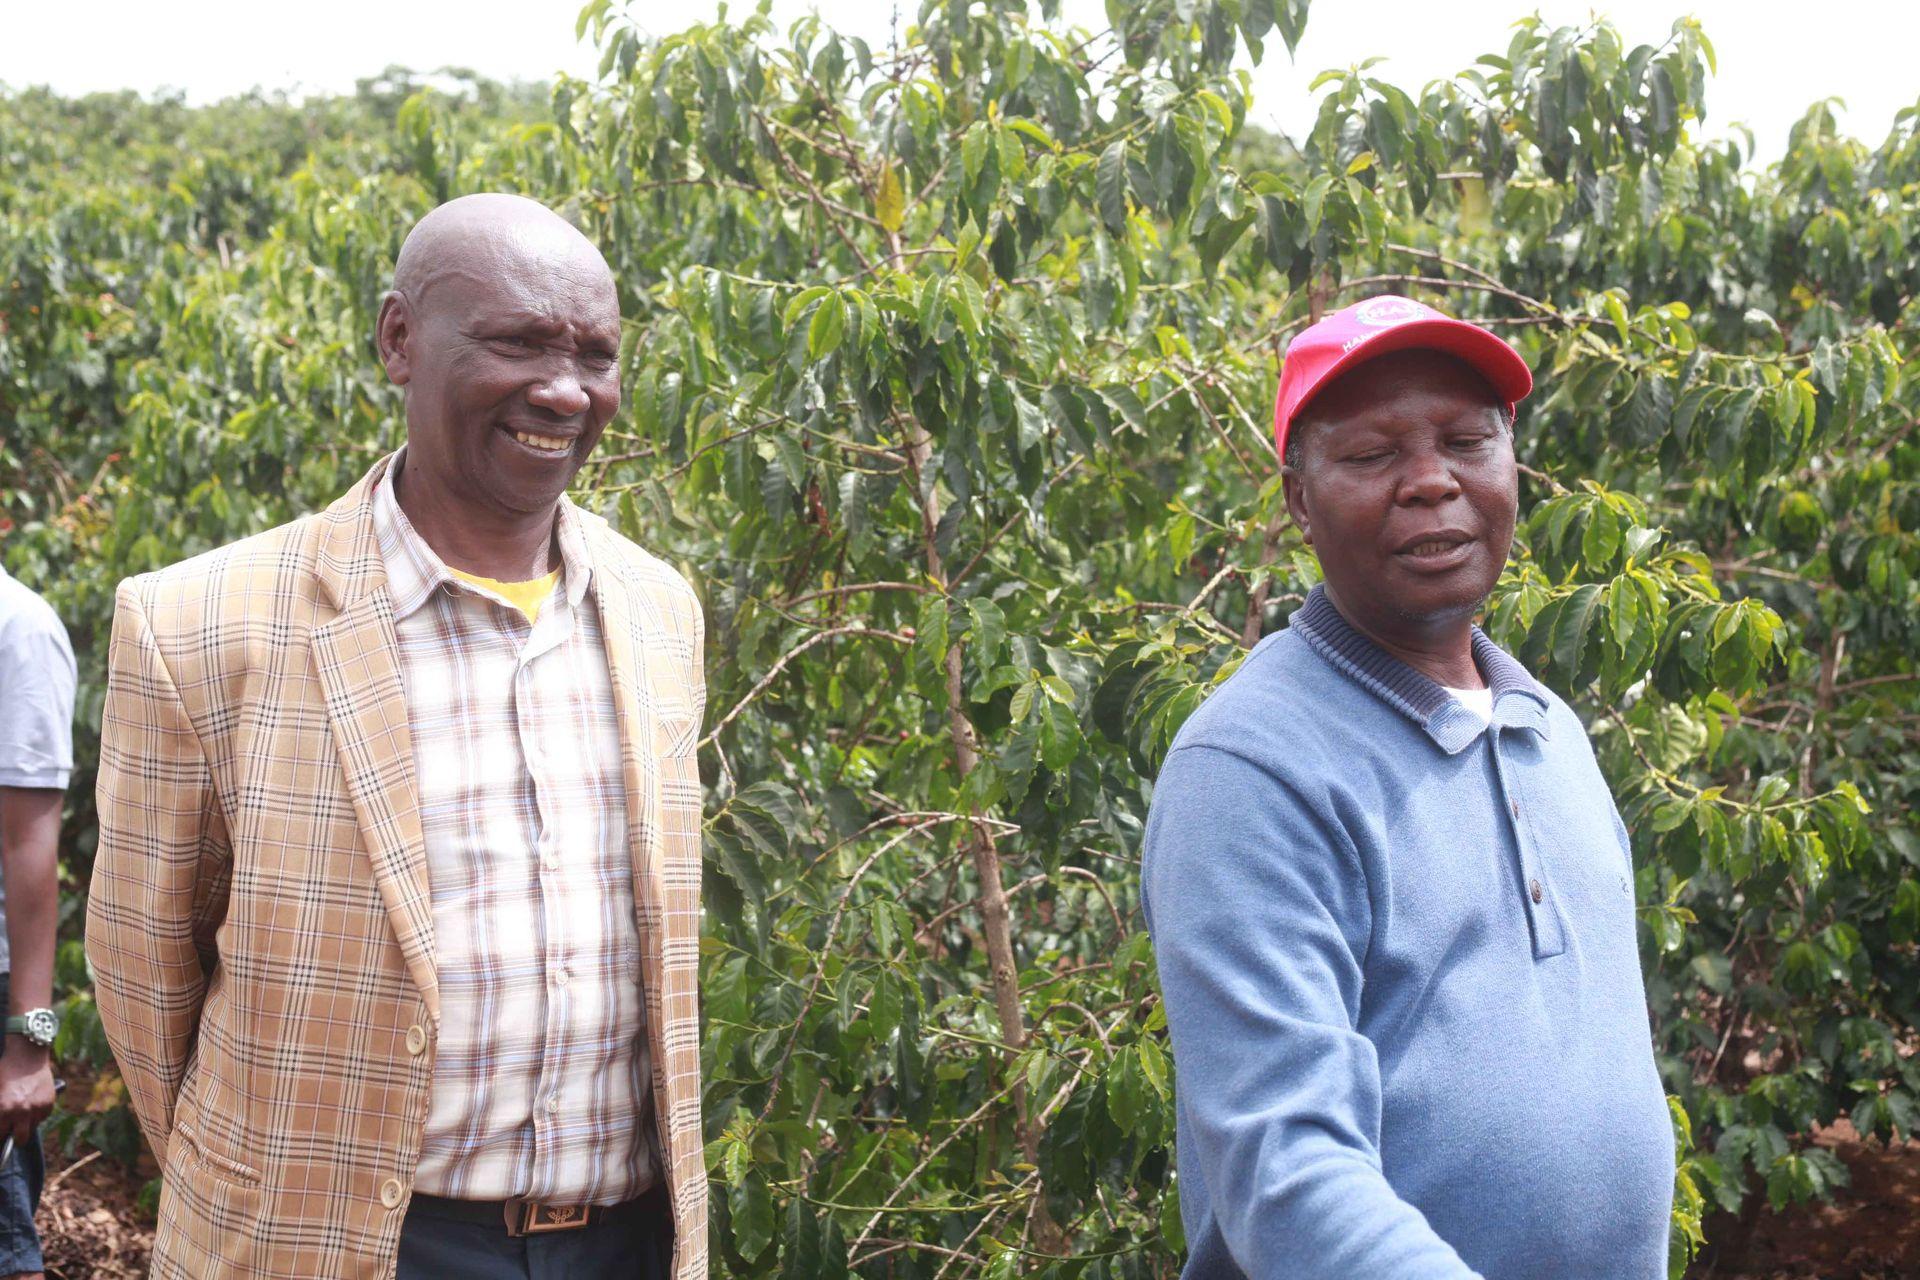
{"x": 37, "y": 686}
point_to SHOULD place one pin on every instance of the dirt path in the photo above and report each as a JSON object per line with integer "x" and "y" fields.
{"x": 92, "y": 1230}
{"x": 89, "y": 1226}
{"x": 1871, "y": 1231}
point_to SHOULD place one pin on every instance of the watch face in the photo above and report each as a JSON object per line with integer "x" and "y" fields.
{"x": 42, "y": 1026}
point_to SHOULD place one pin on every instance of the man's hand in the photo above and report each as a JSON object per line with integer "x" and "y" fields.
{"x": 26, "y": 1089}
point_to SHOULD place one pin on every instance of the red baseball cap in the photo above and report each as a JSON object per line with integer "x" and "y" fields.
{"x": 1356, "y": 334}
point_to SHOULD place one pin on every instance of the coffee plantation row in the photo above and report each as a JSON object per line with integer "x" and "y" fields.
{"x": 947, "y": 376}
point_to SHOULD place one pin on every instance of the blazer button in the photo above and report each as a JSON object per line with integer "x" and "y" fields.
{"x": 391, "y": 1193}
{"x": 416, "y": 1039}
{"x": 1534, "y": 889}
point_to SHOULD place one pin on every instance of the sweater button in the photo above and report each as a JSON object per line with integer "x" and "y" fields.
{"x": 1534, "y": 889}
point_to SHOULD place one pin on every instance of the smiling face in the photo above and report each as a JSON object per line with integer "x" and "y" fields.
{"x": 1404, "y": 484}
{"x": 504, "y": 328}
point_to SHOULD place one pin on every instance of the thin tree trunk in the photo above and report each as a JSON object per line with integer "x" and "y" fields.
{"x": 1270, "y": 544}
{"x": 994, "y": 912}
{"x": 1830, "y": 654}
{"x": 1257, "y": 598}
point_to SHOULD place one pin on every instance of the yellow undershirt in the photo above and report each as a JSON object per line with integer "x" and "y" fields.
{"x": 527, "y": 597}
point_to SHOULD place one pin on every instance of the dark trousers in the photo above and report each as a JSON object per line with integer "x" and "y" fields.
{"x": 635, "y": 1246}
{"x": 20, "y": 1181}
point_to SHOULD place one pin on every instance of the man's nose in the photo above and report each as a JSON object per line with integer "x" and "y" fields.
{"x": 560, "y": 393}
{"x": 1428, "y": 478}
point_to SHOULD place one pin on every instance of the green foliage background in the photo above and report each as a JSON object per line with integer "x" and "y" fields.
{"x": 947, "y": 369}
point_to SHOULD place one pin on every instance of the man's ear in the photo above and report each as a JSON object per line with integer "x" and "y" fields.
{"x": 390, "y": 334}
{"x": 1297, "y": 502}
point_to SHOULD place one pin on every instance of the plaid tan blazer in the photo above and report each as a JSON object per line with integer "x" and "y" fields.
{"x": 259, "y": 924}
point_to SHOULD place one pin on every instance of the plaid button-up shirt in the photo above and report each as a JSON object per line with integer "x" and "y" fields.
{"x": 541, "y": 1079}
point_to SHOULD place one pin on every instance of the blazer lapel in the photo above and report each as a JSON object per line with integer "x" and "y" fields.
{"x": 367, "y": 707}
{"x": 354, "y": 656}
{"x": 620, "y": 621}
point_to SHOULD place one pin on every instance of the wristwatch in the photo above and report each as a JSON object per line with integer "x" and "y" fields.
{"x": 39, "y": 1026}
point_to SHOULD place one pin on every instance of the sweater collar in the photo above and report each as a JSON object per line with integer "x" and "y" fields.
{"x": 1519, "y": 701}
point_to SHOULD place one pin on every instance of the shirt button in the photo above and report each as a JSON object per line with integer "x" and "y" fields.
{"x": 560, "y": 978}
{"x": 551, "y": 862}
{"x": 391, "y": 1193}
{"x": 416, "y": 1039}
{"x": 553, "y": 1102}
{"x": 1534, "y": 889}
{"x": 1515, "y": 806}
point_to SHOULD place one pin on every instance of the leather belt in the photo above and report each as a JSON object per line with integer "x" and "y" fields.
{"x": 534, "y": 1217}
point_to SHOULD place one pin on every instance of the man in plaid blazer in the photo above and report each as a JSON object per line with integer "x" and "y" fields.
{"x": 395, "y": 914}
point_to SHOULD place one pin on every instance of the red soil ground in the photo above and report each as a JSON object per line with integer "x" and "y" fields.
{"x": 1871, "y": 1231}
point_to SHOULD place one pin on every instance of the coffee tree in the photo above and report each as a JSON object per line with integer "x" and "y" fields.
{"x": 947, "y": 374}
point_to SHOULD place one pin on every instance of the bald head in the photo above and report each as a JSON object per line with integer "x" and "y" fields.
{"x": 503, "y": 329}
{"x": 479, "y": 234}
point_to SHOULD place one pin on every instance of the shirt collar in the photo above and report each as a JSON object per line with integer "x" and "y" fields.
{"x": 1519, "y": 701}
{"x": 415, "y": 571}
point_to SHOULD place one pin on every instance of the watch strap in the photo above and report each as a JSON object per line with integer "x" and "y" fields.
{"x": 22, "y": 1024}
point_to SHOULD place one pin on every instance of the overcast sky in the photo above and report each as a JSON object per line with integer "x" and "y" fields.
{"x": 1775, "y": 58}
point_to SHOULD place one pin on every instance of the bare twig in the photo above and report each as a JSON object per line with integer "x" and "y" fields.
{"x": 926, "y": 930}
{"x": 1848, "y": 686}
{"x": 994, "y": 537}
{"x": 1226, "y": 571}
{"x": 1541, "y": 476}
{"x": 1454, "y": 264}
{"x": 1100, "y": 887}
{"x": 1200, "y": 403}
{"x": 895, "y": 1246}
{"x": 826, "y": 949}
{"x": 69, "y": 1171}
{"x": 787, "y": 657}
{"x": 855, "y": 588}
{"x": 926, "y": 1161}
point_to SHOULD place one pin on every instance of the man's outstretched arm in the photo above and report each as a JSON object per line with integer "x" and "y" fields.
{"x": 161, "y": 855}
{"x": 1260, "y": 915}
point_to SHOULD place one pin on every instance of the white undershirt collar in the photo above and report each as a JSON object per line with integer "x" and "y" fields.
{"x": 1479, "y": 701}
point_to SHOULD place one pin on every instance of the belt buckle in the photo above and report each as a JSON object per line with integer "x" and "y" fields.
{"x": 530, "y": 1217}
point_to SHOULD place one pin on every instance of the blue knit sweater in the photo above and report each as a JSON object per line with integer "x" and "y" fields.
{"x": 1400, "y": 971}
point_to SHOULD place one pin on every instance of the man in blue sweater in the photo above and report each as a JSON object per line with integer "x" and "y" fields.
{"x": 1390, "y": 894}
